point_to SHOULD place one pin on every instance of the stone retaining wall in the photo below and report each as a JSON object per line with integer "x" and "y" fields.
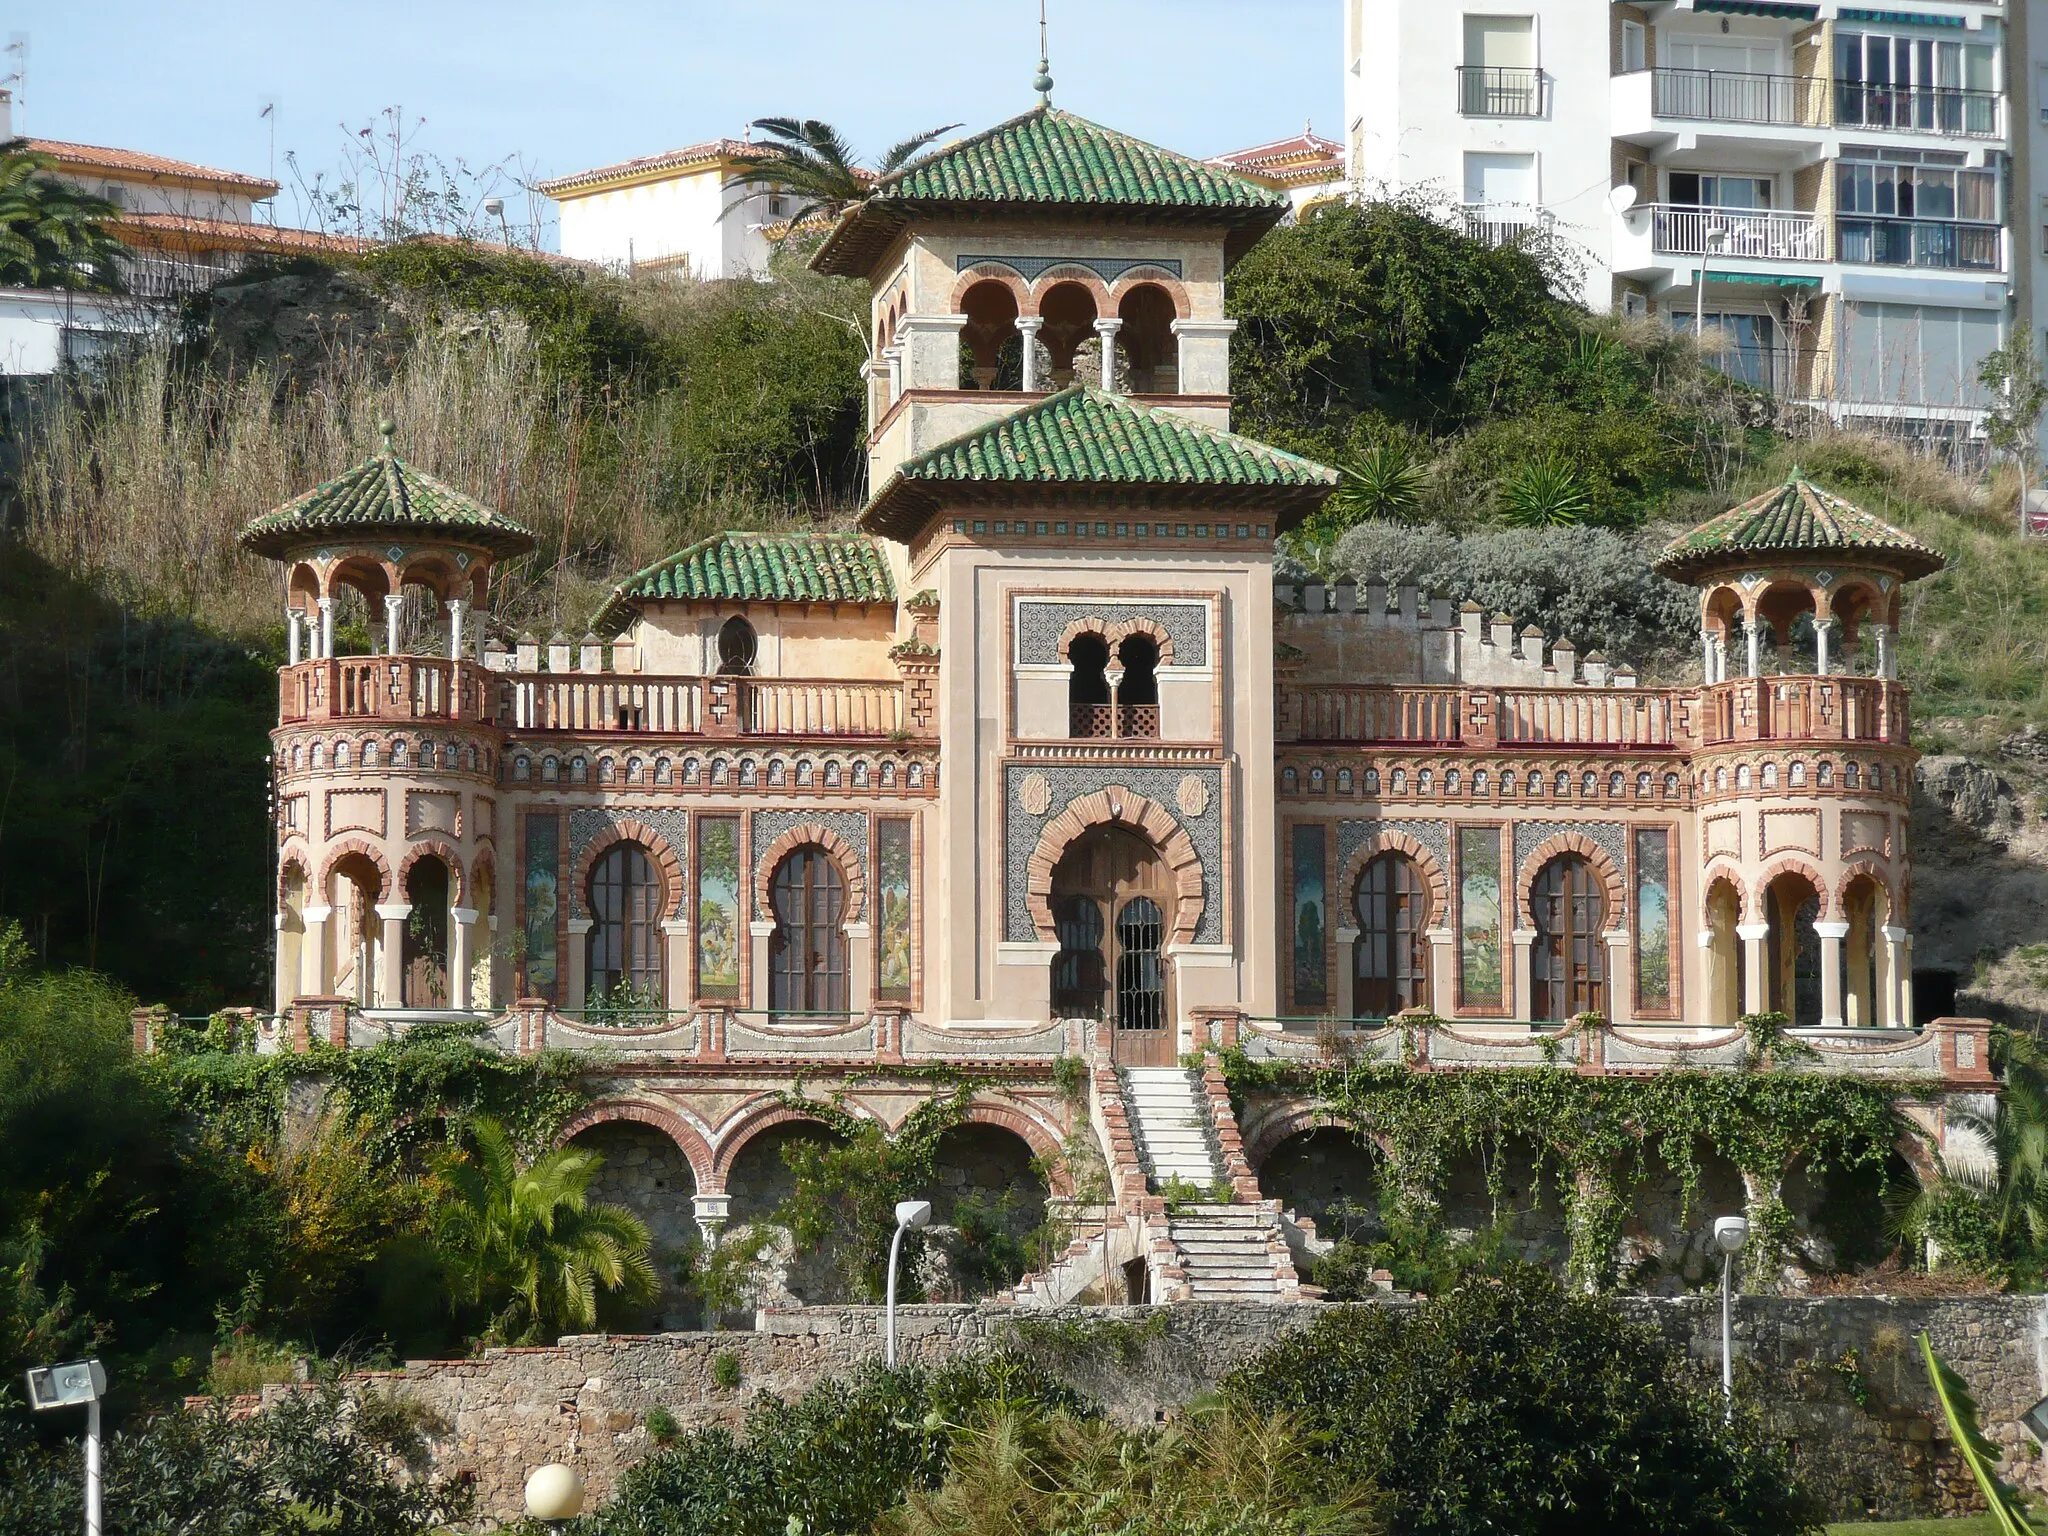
{"x": 1844, "y": 1373}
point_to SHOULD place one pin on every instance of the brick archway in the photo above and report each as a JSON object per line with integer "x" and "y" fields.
{"x": 661, "y": 1117}
{"x": 1597, "y": 857}
{"x": 1787, "y": 866}
{"x": 1424, "y": 860}
{"x": 990, "y": 272}
{"x": 837, "y": 849}
{"x": 1115, "y": 633}
{"x": 657, "y": 849}
{"x": 737, "y": 1133}
{"x": 440, "y": 848}
{"x": 1045, "y": 1145}
{"x": 1862, "y": 869}
{"x": 1152, "y": 277}
{"x": 294, "y": 857}
{"x": 1115, "y": 805}
{"x": 1285, "y": 1123}
{"x": 368, "y": 850}
{"x": 1080, "y": 277}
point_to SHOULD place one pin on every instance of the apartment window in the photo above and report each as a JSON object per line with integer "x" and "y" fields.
{"x": 1496, "y": 180}
{"x": 1915, "y": 354}
{"x": 1635, "y": 51}
{"x": 1499, "y": 76}
{"x": 1917, "y": 83}
{"x": 1741, "y": 344}
{"x": 1697, "y": 189}
{"x": 1904, "y": 208}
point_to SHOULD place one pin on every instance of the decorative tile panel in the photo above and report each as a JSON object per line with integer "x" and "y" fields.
{"x": 588, "y": 823}
{"x": 1040, "y": 625}
{"x": 1433, "y": 835}
{"x": 769, "y": 825}
{"x": 1108, "y": 268}
{"x": 1068, "y": 783}
{"x": 1610, "y": 837}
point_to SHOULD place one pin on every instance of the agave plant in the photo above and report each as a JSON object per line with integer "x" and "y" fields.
{"x": 1545, "y": 493}
{"x": 1384, "y": 482}
{"x": 812, "y": 162}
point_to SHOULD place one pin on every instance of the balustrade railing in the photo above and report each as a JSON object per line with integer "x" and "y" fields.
{"x": 568, "y": 702}
{"x": 1803, "y": 709}
{"x": 1493, "y": 91}
{"x": 1948, "y": 244}
{"x": 1604, "y": 717}
{"x": 772, "y": 707}
{"x": 1944, "y": 109}
{"x": 1367, "y": 714}
{"x": 385, "y": 688}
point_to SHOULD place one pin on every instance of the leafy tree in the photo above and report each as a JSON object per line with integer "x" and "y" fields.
{"x": 1511, "y": 1404}
{"x": 53, "y": 234}
{"x": 315, "y": 1461}
{"x": 526, "y": 1244}
{"x": 2012, "y": 376}
{"x": 813, "y": 162}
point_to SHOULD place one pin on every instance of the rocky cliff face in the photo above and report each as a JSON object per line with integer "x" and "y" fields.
{"x": 1980, "y": 875}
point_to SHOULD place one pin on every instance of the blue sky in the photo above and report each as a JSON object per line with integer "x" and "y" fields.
{"x": 574, "y": 85}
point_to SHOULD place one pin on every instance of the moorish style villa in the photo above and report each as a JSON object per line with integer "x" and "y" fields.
{"x": 1040, "y": 761}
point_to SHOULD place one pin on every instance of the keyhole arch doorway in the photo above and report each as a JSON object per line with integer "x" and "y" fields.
{"x": 1113, "y": 903}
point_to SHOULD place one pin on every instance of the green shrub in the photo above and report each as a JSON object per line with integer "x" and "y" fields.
{"x": 1589, "y": 584}
{"x": 1511, "y": 1404}
{"x": 725, "y": 1369}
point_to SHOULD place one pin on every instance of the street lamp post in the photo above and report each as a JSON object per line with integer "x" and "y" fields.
{"x": 1710, "y": 240}
{"x": 66, "y": 1386}
{"x": 909, "y": 1214}
{"x": 1730, "y": 1233}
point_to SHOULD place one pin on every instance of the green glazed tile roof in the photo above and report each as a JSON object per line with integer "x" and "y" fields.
{"x": 379, "y": 497}
{"x": 1797, "y": 518}
{"x": 1085, "y": 444}
{"x": 759, "y": 568}
{"x": 1047, "y": 160}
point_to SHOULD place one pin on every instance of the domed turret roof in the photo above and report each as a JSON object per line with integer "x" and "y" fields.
{"x": 382, "y": 496}
{"x": 1798, "y": 520}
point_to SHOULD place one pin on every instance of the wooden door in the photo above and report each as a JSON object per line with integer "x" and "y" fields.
{"x": 1112, "y": 909}
{"x": 807, "y": 952}
{"x": 1392, "y": 953}
{"x": 1568, "y": 964}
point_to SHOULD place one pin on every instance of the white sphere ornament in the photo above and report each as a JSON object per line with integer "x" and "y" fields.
{"x": 554, "y": 1492}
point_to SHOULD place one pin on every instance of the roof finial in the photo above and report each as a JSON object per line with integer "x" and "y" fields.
{"x": 1043, "y": 83}
{"x": 387, "y": 426}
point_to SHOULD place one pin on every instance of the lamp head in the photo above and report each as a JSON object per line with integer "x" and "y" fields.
{"x": 554, "y": 1492}
{"x": 913, "y": 1213}
{"x": 1730, "y": 1233}
{"x": 494, "y": 206}
{"x": 68, "y": 1385}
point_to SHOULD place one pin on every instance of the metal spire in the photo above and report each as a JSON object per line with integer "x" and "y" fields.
{"x": 1043, "y": 83}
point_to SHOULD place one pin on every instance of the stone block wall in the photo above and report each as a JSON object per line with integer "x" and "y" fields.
{"x": 1843, "y": 1376}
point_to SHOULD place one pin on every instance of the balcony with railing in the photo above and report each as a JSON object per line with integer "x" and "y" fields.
{"x": 1848, "y": 709}
{"x": 1942, "y": 109}
{"x": 1741, "y": 234}
{"x": 1729, "y": 96}
{"x": 1486, "y": 90}
{"x": 1505, "y": 224}
{"x": 1940, "y": 244}
{"x": 386, "y": 688}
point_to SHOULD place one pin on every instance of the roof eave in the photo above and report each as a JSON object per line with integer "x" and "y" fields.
{"x": 903, "y": 509}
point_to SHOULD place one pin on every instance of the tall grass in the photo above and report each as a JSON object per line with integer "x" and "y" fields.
{"x": 140, "y": 477}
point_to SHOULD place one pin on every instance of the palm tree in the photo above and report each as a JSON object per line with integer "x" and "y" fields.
{"x": 812, "y": 162}
{"x": 528, "y": 1243}
{"x": 52, "y": 234}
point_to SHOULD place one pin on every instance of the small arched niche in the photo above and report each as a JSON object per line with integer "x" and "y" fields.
{"x": 1147, "y": 340}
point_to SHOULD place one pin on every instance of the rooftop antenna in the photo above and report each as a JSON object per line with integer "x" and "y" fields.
{"x": 17, "y": 45}
{"x": 1043, "y": 84}
{"x": 269, "y": 115}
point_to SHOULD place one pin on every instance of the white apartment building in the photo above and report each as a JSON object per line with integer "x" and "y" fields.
{"x": 1825, "y": 185}
{"x": 684, "y": 211}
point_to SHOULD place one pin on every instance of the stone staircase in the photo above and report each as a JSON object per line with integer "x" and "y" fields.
{"x": 1234, "y": 1252}
{"x": 1169, "y": 1115}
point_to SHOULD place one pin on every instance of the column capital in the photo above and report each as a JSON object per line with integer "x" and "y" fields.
{"x": 581, "y": 925}
{"x": 1031, "y": 325}
{"x": 1750, "y": 933}
{"x": 1830, "y": 928}
{"x": 1895, "y": 935}
{"x": 1215, "y": 328}
{"x": 464, "y": 915}
{"x": 1109, "y": 325}
{"x": 394, "y": 911}
{"x": 316, "y": 914}
{"x": 393, "y": 601}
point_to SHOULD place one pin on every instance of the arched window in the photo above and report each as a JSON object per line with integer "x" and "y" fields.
{"x": 1088, "y": 686}
{"x": 807, "y": 953}
{"x": 624, "y": 940}
{"x": 1568, "y": 963}
{"x": 1392, "y": 952}
{"x": 1077, "y": 972}
{"x": 1138, "y": 694}
{"x": 1147, "y": 339}
{"x": 736, "y": 648}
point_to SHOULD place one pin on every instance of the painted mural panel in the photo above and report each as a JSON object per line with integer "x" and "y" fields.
{"x": 1479, "y": 968}
{"x": 718, "y": 904}
{"x": 1653, "y": 917}
{"x": 543, "y": 900}
{"x": 892, "y": 858}
{"x": 1311, "y": 915}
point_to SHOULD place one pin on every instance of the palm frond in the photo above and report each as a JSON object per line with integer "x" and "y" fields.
{"x": 899, "y": 154}
{"x": 2008, "y": 1509}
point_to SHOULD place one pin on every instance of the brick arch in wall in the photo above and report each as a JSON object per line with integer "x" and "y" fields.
{"x": 837, "y": 849}
{"x": 293, "y": 857}
{"x": 1041, "y": 1138}
{"x": 436, "y": 847}
{"x": 1724, "y": 871}
{"x": 733, "y": 1137}
{"x": 1396, "y": 842}
{"x": 1283, "y": 1124}
{"x": 1117, "y": 806}
{"x": 656, "y": 847}
{"x": 990, "y": 272}
{"x": 1053, "y": 277}
{"x": 1569, "y": 842}
{"x": 1859, "y": 869}
{"x": 368, "y": 850}
{"x": 1114, "y": 633}
{"x": 659, "y": 1116}
{"x": 1152, "y": 277}
{"x": 1790, "y": 866}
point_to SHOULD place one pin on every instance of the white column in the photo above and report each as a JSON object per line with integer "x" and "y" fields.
{"x": 390, "y": 991}
{"x": 313, "y": 972}
{"x": 678, "y": 971}
{"x": 1443, "y": 973}
{"x": 579, "y": 962}
{"x": 291, "y": 636}
{"x": 1347, "y": 973}
{"x": 759, "y": 932}
{"x": 1028, "y": 326}
{"x": 1881, "y": 635}
{"x": 1898, "y": 978}
{"x": 1523, "y": 1003}
{"x": 326, "y": 652}
{"x": 893, "y": 356}
{"x": 1831, "y": 932}
{"x": 1822, "y": 629}
{"x": 860, "y": 968}
{"x": 394, "y": 606}
{"x": 1621, "y": 982}
{"x": 455, "y": 610}
{"x": 1755, "y": 630}
{"x": 461, "y": 945}
{"x": 1107, "y": 330}
{"x": 711, "y": 1211}
{"x": 1707, "y": 656}
{"x": 1753, "y": 962}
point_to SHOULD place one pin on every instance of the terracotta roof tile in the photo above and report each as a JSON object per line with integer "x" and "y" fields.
{"x": 710, "y": 152}
{"x": 1796, "y": 518}
{"x": 134, "y": 163}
